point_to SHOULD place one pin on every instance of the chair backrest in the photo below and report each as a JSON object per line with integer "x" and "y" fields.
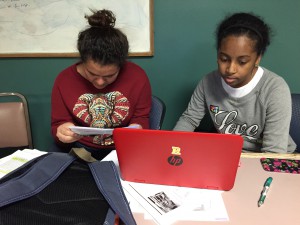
{"x": 15, "y": 128}
{"x": 157, "y": 113}
{"x": 295, "y": 121}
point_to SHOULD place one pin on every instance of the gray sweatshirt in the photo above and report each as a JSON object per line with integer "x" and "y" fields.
{"x": 262, "y": 117}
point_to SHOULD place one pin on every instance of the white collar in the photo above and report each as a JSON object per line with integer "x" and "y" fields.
{"x": 246, "y": 89}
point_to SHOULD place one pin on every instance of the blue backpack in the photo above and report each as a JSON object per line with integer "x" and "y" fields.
{"x": 62, "y": 188}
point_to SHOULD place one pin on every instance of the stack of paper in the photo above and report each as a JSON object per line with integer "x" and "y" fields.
{"x": 17, "y": 159}
{"x": 167, "y": 204}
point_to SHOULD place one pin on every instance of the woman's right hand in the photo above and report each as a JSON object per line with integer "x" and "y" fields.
{"x": 65, "y": 134}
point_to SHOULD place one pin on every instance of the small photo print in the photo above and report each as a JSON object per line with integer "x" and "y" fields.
{"x": 162, "y": 201}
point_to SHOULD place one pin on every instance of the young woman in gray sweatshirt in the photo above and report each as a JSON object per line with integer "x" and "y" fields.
{"x": 242, "y": 97}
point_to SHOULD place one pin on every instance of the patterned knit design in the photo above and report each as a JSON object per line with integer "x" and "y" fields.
{"x": 102, "y": 111}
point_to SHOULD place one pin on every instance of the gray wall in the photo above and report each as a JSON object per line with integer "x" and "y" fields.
{"x": 184, "y": 52}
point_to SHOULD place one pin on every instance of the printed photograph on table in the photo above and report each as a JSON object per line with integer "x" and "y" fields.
{"x": 163, "y": 202}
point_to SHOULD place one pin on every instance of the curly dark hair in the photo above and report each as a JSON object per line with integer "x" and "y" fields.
{"x": 240, "y": 24}
{"x": 102, "y": 42}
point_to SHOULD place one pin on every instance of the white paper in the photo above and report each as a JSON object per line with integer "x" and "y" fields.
{"x": 91, "y": 130}
{"x": 168, "y": 204}
{"x": 96, "y": 131}
{"x": 17, "y": 159}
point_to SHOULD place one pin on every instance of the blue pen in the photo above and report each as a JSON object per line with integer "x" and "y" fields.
{"x": 265, "y": 191}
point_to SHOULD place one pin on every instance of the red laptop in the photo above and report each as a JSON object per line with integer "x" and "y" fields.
{"x": 178, "y": 158}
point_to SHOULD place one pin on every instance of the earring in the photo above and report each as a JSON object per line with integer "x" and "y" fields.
{"x": 256, "y": 65}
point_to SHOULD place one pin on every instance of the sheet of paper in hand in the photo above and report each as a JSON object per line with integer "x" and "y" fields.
{"x": 91, "y": 130}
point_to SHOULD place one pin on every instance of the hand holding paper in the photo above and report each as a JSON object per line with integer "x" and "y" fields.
{"x": 91, "y": 130}
{"x": 96, "y": 131}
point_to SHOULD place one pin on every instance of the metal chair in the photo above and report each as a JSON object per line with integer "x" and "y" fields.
{"x": 295, "y": 121}
{"x": 15, "y": 130}
{"x": 157, "y": 113}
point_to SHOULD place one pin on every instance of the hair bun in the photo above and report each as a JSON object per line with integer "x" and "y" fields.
{"x": 102, "y": 18}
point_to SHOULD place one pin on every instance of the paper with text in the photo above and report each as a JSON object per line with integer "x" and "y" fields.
{"x": 167, "y": 204}
{"x": 17, "y": 159}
